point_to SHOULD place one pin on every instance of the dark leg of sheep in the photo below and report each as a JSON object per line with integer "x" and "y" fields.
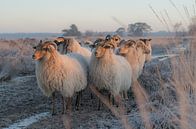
{"x": 111, "y": 99}
{"x": 78, "y": 100}
{"x": 63, "y": 105}
{"x": 53, "y": 103}
{"x": 91, "y": 96}
{"x": 99, "y": 105}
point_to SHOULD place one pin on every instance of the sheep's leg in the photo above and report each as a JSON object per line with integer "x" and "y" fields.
{"x": 91, "y": 96}
{"x": 76, "y": 104}
{"x": 118, "y": 100}
{"x": 125, "y": 95}
{"x": 69, "y": 104}
{"x": 78, "y": 100}
{"x": 63, "y": 105}
{"x": 53, "y": 103}
{"x": 99, "y": 104}
{"x": 111, "y": 99}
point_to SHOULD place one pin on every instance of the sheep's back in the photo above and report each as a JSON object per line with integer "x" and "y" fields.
{"x": 65, "y": 74}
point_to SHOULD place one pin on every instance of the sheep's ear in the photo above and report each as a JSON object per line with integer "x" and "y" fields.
{"x": 149, "y": 39}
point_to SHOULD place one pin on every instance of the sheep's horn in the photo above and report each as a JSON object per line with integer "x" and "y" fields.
{"x": 54, "y": 44}
{"x": 51, "y": 43}
{"x": 40, "y": 42}
{"x": 108, "y": 37}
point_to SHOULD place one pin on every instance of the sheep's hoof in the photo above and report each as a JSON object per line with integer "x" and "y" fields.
{"x": 77, "y": 109}
{"x": 53, "y": 113}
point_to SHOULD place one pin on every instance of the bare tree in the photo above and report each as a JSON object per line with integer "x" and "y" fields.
{"x": 192, "y": 27}
{"x": 73, "y": 31}
{"x": 121, "y": 31}
{"x": 138, "y": 29}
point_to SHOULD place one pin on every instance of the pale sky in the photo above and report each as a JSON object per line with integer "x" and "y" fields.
{"x": 94, "y": 15}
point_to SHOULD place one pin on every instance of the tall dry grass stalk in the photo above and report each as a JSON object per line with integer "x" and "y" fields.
{"x": 184, "y": 81}
{"x": 141, "y": 98}
{"x": 118, "y": 112}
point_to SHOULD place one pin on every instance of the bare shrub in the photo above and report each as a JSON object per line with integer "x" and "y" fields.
{"x": 16, "y": 58}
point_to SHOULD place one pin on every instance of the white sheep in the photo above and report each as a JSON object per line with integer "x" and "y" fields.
{"x": 143, "y": 51}
{"x": 148, "y": 44}
{"x": 134, "y": 52}
{"x": 73, "y": 45}
{"x": 109, "y": 71}
{"x": 66, "y": 74}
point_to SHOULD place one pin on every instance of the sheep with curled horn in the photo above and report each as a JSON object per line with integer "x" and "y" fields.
{"x": 135, "y": 53}
{"x": 73, "y": 45}
{"x": 96, "y": 43}
{"x": 62, "y": 43}
{"x": 109, "y": 71}
{"x": 148, "y": 44}
{"x": 66, "y": 74}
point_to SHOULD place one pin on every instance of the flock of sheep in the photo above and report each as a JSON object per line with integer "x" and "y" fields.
{"x": 111, "y": 64}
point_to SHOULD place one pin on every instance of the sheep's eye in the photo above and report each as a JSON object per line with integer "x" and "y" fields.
{"x": 45, "y": 49}
{"x": 116, "y": 39}
{"x": 34, "y": 47}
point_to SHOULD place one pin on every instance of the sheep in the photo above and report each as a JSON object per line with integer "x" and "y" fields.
{"x": 73, "y": 45}
{"x": 117, "y": 40}
{"x": 62, "y": 42}
{"x": 96, "y": 42}
{"x": 109, "y": 71}
{"x": 66, "y": 74}
{"x": 148, "y": 44}
{"x": 134, "y": 52}
{"x": 143, "y": 51}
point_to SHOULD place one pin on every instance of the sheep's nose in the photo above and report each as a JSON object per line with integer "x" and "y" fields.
{"x": 96, "y": 53}
{"x": 33, "y": 56}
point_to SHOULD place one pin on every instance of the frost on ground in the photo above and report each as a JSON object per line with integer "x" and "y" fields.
{"x": 28, "y": 121}
{"x": 22, "y": 101}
